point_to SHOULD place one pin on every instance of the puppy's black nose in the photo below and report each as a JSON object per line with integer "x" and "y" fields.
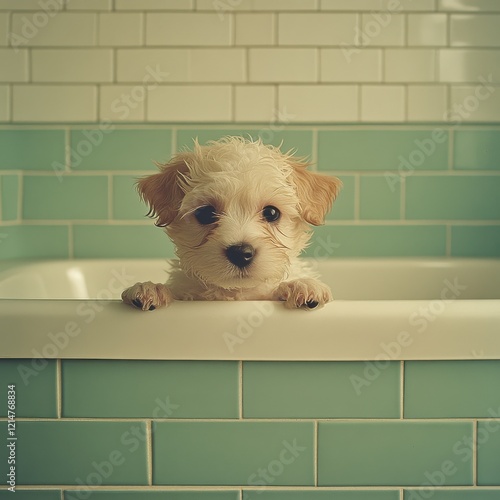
{"x": 240, "y": 255}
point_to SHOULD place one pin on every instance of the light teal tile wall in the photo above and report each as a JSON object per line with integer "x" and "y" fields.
{"x": 268, "y": 430}
{"x": 408, "y": 190}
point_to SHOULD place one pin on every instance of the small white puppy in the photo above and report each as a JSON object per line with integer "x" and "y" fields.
{"x": 238, "y": 213}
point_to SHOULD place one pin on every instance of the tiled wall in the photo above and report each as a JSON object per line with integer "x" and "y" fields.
{"x": 249, "y": 60}
{"x": 329, "y": 430}
{"x": 408, "y": 191}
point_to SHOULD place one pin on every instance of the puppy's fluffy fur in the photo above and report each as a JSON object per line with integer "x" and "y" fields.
{"x": 238, "y": 212}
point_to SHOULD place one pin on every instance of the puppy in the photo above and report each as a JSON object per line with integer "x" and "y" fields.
{"x": 238, "y": 212}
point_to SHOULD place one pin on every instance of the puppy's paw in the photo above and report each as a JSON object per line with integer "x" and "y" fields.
{"x": 304, "y": 293}
{"x": 147, "y": 296}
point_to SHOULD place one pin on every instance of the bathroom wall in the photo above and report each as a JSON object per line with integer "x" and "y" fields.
{"x": 399, "y": 98}
{"x": 191, "y": 430}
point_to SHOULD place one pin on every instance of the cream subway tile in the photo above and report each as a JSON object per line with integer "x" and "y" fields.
{"x": 154, "y": 4}
{"x": 381, "y": 29}
{"x": 475, "y": 30}
{"x": 61, "y": 29}
{"x": 227, "y": 6}
{"x": 254, "y": 29}
{"x": 4, "y": 103}
{"x": 54, "y": 103}
{"x": 319, "y": 103}
{"x": 459, "y": 65}
{"x": 72, "y": 65}
{"x": 316, "y": 29}
{"x": 427, "y": 102}
{"x": 427, "y": 29}
{"x": 120, "y": 29}
{"x": 122, "y": 102}
{"x": 189, "y": 29}
{"x": 285, "y": 5}
{"x": 351, "y": 65}
{"x": 51, "y": 5}
{"x": 378, "y": 5}
{"x": 409, "y": 65}
{"x": 383, "y": 103}
{"x": 217, "y": 65}
{"x": 475, "y": 103}
{"x": 223, "y": 7}
{"x": 185, "y": 103}
{"x": 255, "y": 103}
{"x": 14, "y": 64}
{"x": 4, "y": 28}
{"x": 283, "y": 65}
{"x": 169, "y": 65}
{"x": 469, "y": 5}
{"x": 89, "y": 5}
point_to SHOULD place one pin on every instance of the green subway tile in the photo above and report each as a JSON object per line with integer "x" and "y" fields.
{"x": 379, "y": 198}
{"x": 29, "y": 242}
{"x": 393, "y": 453}
{"x": 67, "y": 197}
{"x": 233, "y": 453}
{"x": 378, "y": 241}
{"x": 9, "y": 195}
{"x": 440, "y": 389}
{"x": 73, "y": 453}
{"x": 319, "y": 390}
{"x": 488, "y": 442}
{"x": 343, "y": 208}
{"x": 301, "y": 140}
{"x": 402, "y": 150}
{"x": 158, "y": 389}
{"x": 439, "y": 494}
{"x": 453, "y": 197}
{"x": 35, "y": 381}
{"x": 476, "y": 149}
{"x": 261, "y": 494}
{"x": 475, "y": 241}
{"x": 155, "y": 495}
{"x": 127, "y": 203}
{"x": 32, "y": 149}
{"x": 31, "y": 495}
{"x": 105, "y": 241}
{"x": 115, "y": 149}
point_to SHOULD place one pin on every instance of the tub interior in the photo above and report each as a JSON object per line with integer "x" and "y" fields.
{"x": 350, "y": 279}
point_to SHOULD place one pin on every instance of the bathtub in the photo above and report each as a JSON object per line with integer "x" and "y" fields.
{"x": 395, "y": 309}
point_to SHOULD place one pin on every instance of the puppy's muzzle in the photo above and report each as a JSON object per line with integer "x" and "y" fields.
{"x": 240, "y": 255}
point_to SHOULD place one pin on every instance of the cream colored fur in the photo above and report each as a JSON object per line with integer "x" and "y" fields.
{"x": 238, "y": 177}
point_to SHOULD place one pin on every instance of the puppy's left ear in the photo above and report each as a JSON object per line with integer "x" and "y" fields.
{"x": 316, "y": 192}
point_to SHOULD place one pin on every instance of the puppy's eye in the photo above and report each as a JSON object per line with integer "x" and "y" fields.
{"x": 206, "y": 215}
{"x": 270, "y": 213}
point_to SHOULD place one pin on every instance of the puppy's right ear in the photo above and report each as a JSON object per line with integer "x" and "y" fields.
{"x": 162, "y": 191}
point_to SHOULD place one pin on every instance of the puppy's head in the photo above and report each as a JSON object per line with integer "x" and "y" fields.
{"x": 238, "y": 210}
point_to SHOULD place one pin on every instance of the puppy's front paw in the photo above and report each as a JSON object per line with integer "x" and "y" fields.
{"x": 147, "y": 296}
{"x": 307, "y": 293}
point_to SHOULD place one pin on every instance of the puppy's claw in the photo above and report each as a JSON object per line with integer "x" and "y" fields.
{"x": 147, "y": 296}
{"x": 307, "y": 293}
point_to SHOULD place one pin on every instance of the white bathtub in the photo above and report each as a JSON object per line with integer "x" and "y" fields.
{"x": 384, "y": 309}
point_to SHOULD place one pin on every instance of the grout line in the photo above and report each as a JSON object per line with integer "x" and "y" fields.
{"x": 149, "y": 450}
{"x": 20, "y": 193}
{"x": 474, "y": 452}
{"x": 314, "y": 146}
{"x": 315, "y": 451}
{"x": 110, "y": 197}
{"x": 401, "y": 494}
{"x": 357, "y": 196}
{"x": 59, "y": 387}
{"x": 451, "y": 147}
{"x": 448, "y": 240}
{"x": 402, "y": 198}
{"x": 1, "y": 215}
{"x": 143, "y": 29}
{"x": 173, "y": 141}
{"x": 402, "y": 391}
{"x": 240, "y": 390}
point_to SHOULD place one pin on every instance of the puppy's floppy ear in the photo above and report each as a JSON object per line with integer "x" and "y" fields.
{"x": 316, "y": 192}
{"x": 162, "y": 191}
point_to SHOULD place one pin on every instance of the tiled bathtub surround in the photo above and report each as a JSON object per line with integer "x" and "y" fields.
{"x": 249, "y": 60}
{"x": 207, "y": 430}
{"x": 68, "y": 191}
